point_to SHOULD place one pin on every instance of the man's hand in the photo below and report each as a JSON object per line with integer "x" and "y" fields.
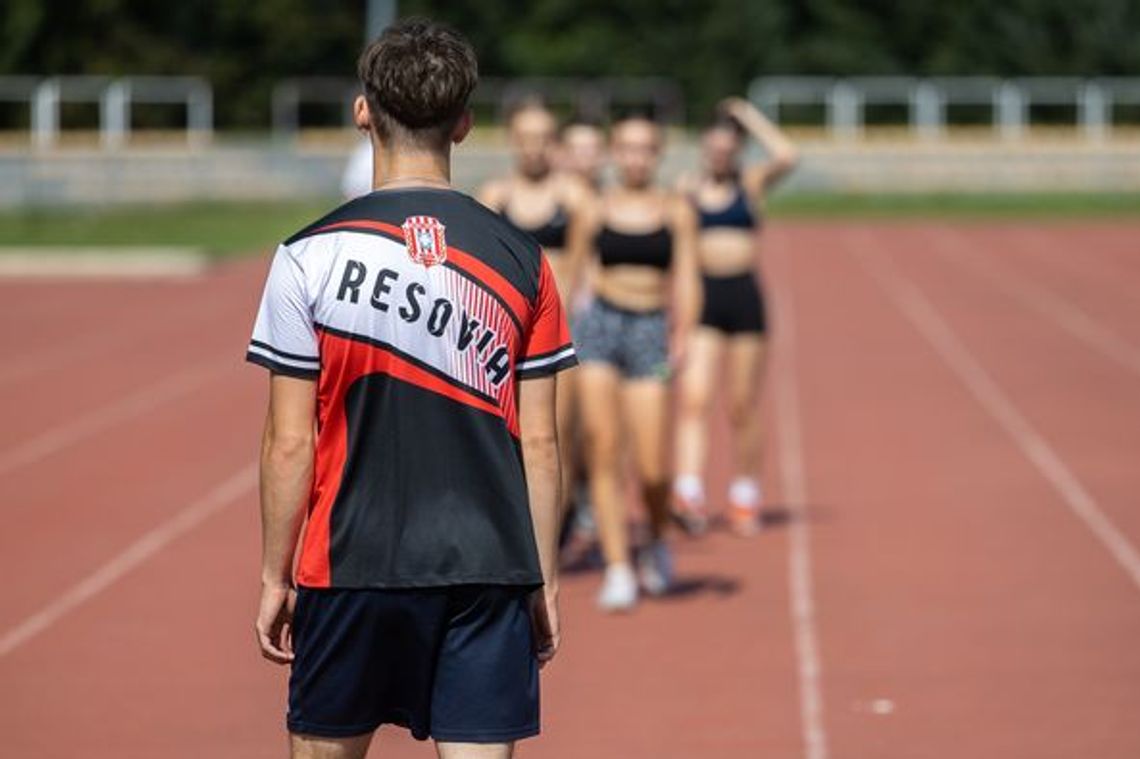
{"x": 544, "y": 619}
{"x": 274, "y": 624}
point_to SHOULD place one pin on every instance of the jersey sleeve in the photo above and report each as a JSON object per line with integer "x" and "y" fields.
{"x": 547, "y": 348}
{"x": 284, "y": 340}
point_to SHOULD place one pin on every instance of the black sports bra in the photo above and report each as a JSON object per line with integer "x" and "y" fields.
{"x": 637, "y": 249}
{"x": 737, "y": 214}
{"x": 551, "y": 235}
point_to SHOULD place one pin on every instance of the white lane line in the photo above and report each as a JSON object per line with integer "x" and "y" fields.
{"x": 150, "y": 397}
{"x": 794, "y": 487}
{"x": 224, "y": 494}
{"x": 910, "y": 300}
{"x": 1069, "y": 317}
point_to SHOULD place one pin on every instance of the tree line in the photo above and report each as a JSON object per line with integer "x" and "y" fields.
{"x": 712, "y": 48}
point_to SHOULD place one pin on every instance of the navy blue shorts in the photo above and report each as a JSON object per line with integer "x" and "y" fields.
{"x": 456, "y": 664}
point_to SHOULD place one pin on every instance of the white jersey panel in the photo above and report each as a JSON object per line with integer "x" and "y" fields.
{"x": 283, "y": 334}
{"x": 367, "y": 287}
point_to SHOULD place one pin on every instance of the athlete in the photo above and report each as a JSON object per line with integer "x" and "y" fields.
{"x": 542, "y": 201}
{"x": 644, "y": 240}
{"x": 726, "y": 350}
{"x": 412, "y": 336}
{"x": 583, "y": 151}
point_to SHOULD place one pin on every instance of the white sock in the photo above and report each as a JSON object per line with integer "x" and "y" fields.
{"x": 745, "y": 491}
{"x": 620, "y": 568}
{"x": 689, "y": 487}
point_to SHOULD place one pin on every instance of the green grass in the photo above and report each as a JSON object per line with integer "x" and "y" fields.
{"x": 226, "y": 229}
{"x": 956, "y": 205}
{"x": 221, "y": 229}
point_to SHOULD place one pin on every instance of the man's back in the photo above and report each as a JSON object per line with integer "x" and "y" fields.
{"x": 415, "y": 310}
{"x": 400, "y": 438}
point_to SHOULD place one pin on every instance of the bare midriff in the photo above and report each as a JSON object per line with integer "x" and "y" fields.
{"x": 636, "y": 288}
{"x": 727, "y": 252}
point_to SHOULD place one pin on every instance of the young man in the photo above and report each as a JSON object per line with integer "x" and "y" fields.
{"x": 412, "y": 336}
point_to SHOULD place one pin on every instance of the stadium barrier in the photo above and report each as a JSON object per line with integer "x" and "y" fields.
{"x": 275, "y": 170}
{"x": 1008, "y": 103}
{"x": 915, "y": 157}
{"x": 114, "y": 97}
{"x": 590, "y": 98}
{"x": 926, "y": 100}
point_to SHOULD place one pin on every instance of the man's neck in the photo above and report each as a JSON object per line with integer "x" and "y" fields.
{"x": 410, "y": 168}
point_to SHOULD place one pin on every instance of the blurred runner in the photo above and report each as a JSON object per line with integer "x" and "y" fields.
{"x": 583, "y": 151}
{"x": 726, "y": 350}
{"x": 644, "y": 240}
{"x": 540, "y": 200}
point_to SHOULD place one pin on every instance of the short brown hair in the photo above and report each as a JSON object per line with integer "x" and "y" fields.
{"x": 417, "y": 77}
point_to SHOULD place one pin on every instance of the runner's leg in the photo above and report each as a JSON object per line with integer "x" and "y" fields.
{"x": 474, "y": 750}
{"x": 599, "y": 385}
{"x": 745, "y": 374}
{"x": 316, "y": 747}
{"x": 697, "y": 380}
{"x": 647, "y": 409}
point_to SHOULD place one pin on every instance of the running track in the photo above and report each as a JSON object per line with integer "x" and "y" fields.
{"x": 952, "y": 569}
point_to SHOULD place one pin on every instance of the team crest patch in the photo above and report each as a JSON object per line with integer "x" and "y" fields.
{"x": 423, "y": 236}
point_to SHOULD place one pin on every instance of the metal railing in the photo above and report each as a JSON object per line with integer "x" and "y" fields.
{"x": 926, "y": 100}
{"x": 114, "y": 97}
{"x": 591, "y": 98}
{"x": 290, "y": 95}
{"x": 844, "y": 102}
{"x": 598, "y": 99}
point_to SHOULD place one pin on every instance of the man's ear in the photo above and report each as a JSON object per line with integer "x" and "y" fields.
{"x": 361, "y": 115}
{"x": 463, "y": 127}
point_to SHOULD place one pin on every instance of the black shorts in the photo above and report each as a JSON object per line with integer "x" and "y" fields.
{"x": 733, "y": 305}
{"x": 455, "y": 664}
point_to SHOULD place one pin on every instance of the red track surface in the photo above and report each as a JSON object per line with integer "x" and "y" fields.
{"x": 955, "y": 426}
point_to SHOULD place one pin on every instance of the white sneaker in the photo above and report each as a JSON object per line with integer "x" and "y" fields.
{"x": 619, "y": 589}
{"x": 655, "y": 566}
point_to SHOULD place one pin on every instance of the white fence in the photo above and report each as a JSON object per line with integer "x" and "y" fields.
{"x": 591, "y": 98}
{"x": 115, "y": 98}
{"x": 844, "y": 100}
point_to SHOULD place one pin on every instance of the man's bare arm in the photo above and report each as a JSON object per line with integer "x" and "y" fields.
{"x": 543, "y": 477}
{"x": 286, "y": 478}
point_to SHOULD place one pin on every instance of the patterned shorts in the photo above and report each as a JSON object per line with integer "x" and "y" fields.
{"x": 636, "y": 343}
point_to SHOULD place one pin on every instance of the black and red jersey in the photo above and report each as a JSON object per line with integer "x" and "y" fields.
{"x": 417, "y": 311}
